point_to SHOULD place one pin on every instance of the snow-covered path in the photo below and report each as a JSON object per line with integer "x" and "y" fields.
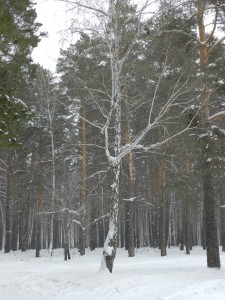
{"x": 145, "y": 277}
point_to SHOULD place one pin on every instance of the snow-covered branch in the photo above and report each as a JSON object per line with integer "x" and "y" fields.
{"x": 217, "y": 117}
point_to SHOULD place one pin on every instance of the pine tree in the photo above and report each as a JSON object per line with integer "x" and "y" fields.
{"x": 18, "y": 36}
{"x": 205, "y": 45}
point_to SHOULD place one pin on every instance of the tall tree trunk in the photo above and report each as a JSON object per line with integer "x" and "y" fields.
{"x": 128, "y": 181}
{"x": 14, "y": 214}
{"x": 82, "y": 233}
{"x": 3, "y": 226}
{"x": 8, "y": 202}
{"x": 53, "y": 182}
{"x": 162, "y": 208}
{"x": 222, "y": 218}
{"x": 110, "y": 245}
{"x": 136, "y": 210}
{"x": 182, "y": 232}
{"x": 212, "y": 246}
{"x": 188, "y": 204}
{"x": 39, "y": 200}
{"x": 162, "y": 202}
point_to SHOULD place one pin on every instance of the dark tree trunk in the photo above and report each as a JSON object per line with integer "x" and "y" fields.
{"x": 203, "y": 237}
{"x": 7, "y": 206}
{"x": 182, "y": 232}
{"x": 136, "y": 208}
{"x": 39, "y": 198}
{"x": 38, "y": 236}
{"x": 222, "y": 220}
{"x": 66, "y": 251}
{"x": 25, "y": 230}
{"x": 187, "y": 228}
{"x": 82, "y": 238}
{"x": 82, "y": 232}
{"x": 66, "y": 243}
{"x": 212, "y": 245}
{"x": 128, "y": 179}
{"x": 162, "y": 207}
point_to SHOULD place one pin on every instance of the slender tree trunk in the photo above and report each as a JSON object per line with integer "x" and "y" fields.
{"x": 82, "y": 233}
{"x": 188, "y": 205}
{"x": 136, "y": 208}
{"x": 162, "y": 206}
{"x": 187, "y": 227}
{"x": 14, "y": 214}
{"x": 39, "y": 200}
{"x": 182, "y": 238}
{"x": 3, "y": 226}
{"x": 66, "y": 236}
{"x": 50, "y": 116}
{"x": 222, "y": 218}
{"x": 128, "y": 181}
{"x": 8, "y": 202}
{"x": 162, "y": 202}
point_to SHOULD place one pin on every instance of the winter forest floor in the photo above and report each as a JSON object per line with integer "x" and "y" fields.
{"x": 144, "y": 277}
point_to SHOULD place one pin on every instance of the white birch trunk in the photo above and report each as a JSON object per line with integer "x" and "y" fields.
{"x": 109, "y": 251}
{"x": 116, "y": 28}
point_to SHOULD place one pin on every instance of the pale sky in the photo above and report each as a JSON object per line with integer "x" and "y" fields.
{"x": 55, "y": 17}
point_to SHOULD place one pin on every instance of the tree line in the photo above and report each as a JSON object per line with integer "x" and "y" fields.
{"x": 123, "y": 146}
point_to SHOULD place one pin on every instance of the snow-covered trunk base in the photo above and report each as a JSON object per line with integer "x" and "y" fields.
{"x": 110, "y": 245}
{"x": 109, "y": 250}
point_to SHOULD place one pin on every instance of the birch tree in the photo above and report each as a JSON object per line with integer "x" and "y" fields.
{"x": 113, "y": 20}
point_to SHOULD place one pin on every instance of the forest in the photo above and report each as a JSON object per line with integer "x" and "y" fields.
{"x": 123, "y": 147}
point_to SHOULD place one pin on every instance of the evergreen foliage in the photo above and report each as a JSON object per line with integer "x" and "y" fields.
{"x": 59, "y": 181}
{"x": 18, "y": 36}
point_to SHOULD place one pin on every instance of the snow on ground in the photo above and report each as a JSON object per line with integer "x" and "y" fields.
{"x": 144, "y": 277}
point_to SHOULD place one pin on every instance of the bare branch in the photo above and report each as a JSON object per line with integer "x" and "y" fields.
{"x": 214, "y": 25}
{"x": 79, "y": 4}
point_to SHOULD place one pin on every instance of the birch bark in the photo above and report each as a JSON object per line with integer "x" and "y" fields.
{"x": 115, "y": 29}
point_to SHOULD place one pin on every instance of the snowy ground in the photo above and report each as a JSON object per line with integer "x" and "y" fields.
{"x": 145, "y": 277}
